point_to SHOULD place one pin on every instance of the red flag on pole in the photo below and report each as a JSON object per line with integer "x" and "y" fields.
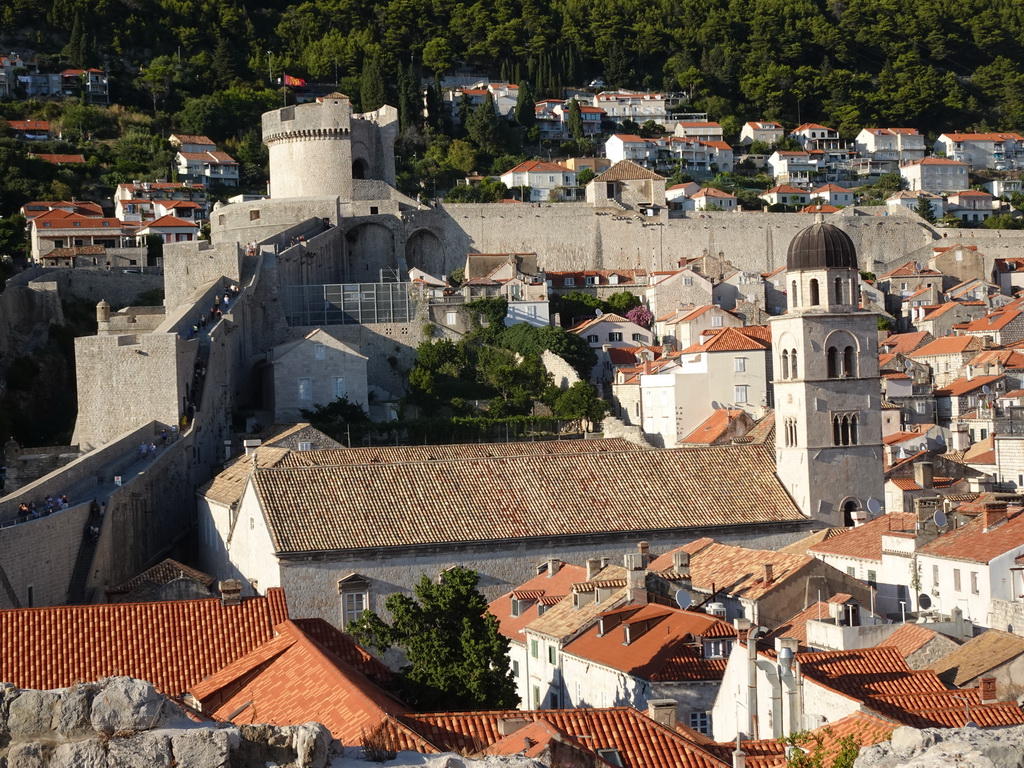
{"x": 296, "y": 82}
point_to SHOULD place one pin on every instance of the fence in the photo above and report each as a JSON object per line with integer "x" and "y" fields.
{"x": 347, "y": 304}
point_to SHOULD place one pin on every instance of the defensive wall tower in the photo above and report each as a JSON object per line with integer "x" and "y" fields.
{"x": 318, "y": 149}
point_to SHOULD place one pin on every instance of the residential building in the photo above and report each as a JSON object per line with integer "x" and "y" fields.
{"x": 911, "y": 200}
{"x": 946, "y": 356}
{"x": 547, "y": 181}
{"x": 686, "y": 326}
{"x": 994, "y": 658}
{"x": 170, "y": 229}
{"x": 825, "y": 363}
{"x": 963, "y": 396}
{"x": 935, "y": 174}
{"x": 627, "y": 186}
{"x": 785, "y": 194}
{"x": 30, "y": 130}
{"x": 832, "y": 194}
{"x": 552, "y": 119}
{"x": 999, "y": 328}
{"x": 796, "y": 167}
{"x": 148, "y": 200}
{"x": 620, "y": 146}
{"x": 58, "y": 229}
{"x": 993, "y": 151}
{"x": 90, "y": 85}
{"x": 890, "y": 147}
{"x": 623, "y": 105}
{"x": 700, "y": 130}
{"x": 503, "y": 95}
{"x": 315, "y": 370}
{"x": 763, "y": 131}
{"x": 199, "y": 161}
{"x": 678, "y": 288}
{"x": 813, "y": 136}
{"x": 972, "y": 205}
{"x": 709, "y": 198}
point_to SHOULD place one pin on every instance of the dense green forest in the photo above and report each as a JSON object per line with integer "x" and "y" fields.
{"x": 936, "y": 64}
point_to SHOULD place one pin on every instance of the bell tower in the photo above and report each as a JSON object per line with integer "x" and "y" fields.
{"x": 828, "y": 427}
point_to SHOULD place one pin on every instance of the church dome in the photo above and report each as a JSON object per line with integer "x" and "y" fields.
{"x": 821, "y": 246}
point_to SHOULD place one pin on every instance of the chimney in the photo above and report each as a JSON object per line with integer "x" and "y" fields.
{"x": 593, "y": 567}
{"x": 988, "y": 690}
{"x": 251, "y": 445}
{"x": 644, "y": 548}
{"x": 662, "y": 711}
{"x": 742, "y": 625}
{"x": 681, "y": 563}
{"x": 230, "y": 592}
{"x": 769, "y": 573}
{"x": 924, "y": 474}
{"x": 992, "y": 516}
{"x": 636, "y": 580}
{"x": 509, "y": 725}
{"x": 605, "y": 561}
{"x": 970, "y": 372}
{"x": 552, "y": 567}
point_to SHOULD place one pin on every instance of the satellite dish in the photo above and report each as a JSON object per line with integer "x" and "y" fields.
{"x": 924, "y": 601}
{"x": 683, "y": 599}
{"x": 598, "y": 311}
{"x": 908, "y": 365}
{"x": 917, "y": 266}
{"x": 873, "y": 505}
{"x": 715, "y": 405}
{"x": 939, "y": 518}
{"x": 985, "y": 389}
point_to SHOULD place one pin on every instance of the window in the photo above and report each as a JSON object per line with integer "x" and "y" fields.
{"x": 851, "y": 571}
{"x": 740, "y": 364}
{"x": 353, "y": 605}
{"x": 320, "y": 351}
{"x": 785, "y": 364}
{"x": 717, "y": 649}
{"x": 590, "y": 281}
{"x": 534, "y": 649}
{"x": 536, "y": 697}
{"x": 794, "y": 372}
{"x": 687, "y": 281}
{"x": 254, "y": 215}
{"x": 700, "y": 722}
{"x": 814, "y": 298}
{"x": 592, "y": 338}
{"x": 339, "y": 386}
{"x": 872, "y": 579}
{"x": 450, "y": 318}
{"x": 717, "y": 321}
{"x": 305, "y": 389}
{"x": 374, "y": 210}
{"x": 611, "y": 756}
{"x": 790, "y": 431}
{"x": 640, "y": 337}
{"x": 849, "y": 363}
{"x": 614, "y": 336}
{"x": 956, "y": 579}
{"x": 569, "y": 281}
{"x": 845, "y": 429}
{"x": 832, "y": 363}
{"x": 839, "y": 290}
{"x": 974, "y": 583}
{"x": 552, "y": 655}
{"x": 517, "y": 607}
{"x": 935, "y": 576}
{"x": 515, "y": 668}
{"x": 739, "y": 393}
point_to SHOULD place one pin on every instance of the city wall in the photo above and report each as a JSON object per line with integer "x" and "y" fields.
{"x": 41, "y": 554}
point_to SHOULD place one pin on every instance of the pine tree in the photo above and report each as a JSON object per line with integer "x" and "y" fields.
{"x": 410, "y": 98}
{"x": 483, "y": 128}
{"x": 372, "y": 92}
{"x": 924, "y": 209}
{"x": 224, "y": 58}
{"x": 75, "y": 49}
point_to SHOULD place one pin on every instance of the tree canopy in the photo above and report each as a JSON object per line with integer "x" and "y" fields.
{"x": 457, "y": 659}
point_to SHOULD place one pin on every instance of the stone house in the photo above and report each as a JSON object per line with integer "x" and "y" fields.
{"x": 999, "y": 328}
{"x": 785, "y": 194}
{"x": 903, "y": 200}
{"x": 961, "y": 397}
{"x": 547, "y": 181}
{"x": 946, "y": 356}
{"x": 314, "y": 370}
{"x": 832, "y": 194}
{"x": 941, "y": 320}
{"x": 683, "y": 327}
{"x": 626, "y": 186}
{"x": 678, "y": 288}
{"x": 171, "y": 229}
{"x": 993, "y": 658}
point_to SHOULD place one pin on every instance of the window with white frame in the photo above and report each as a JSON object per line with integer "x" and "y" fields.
{"x": 319, "y": 351}
{"x": 974, "y": 583}
{"x": 717, "y": 648}
{"x": 740, "y": 364}
{"x": 569, "y": 281}
{"x": 339, "y": 386}
{"x": 517, "y": 607}
{"x": 353, "y": 605}
{"x": 717, "y": 321}
{"x": 615, "y": 336}
{"x": 740, "y": 393}
{"x": 305, "y": 388}
{"x": 701, "y": 722}
{"x": 592, "y": 338}
{"x": 450, "y": 318}
{"x": 640, "y": 337}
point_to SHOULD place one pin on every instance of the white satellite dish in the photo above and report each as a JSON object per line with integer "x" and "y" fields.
{"x": 598, "y": 311}
{"x": 985, "y": 389}
{"x": 873, "y": 505}
{"x": 908, "y": 365}
{"x": 683, "y": 599}
{"x": 939, "y": 518}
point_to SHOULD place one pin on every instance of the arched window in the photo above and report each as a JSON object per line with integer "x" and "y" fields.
{"x": 848, "y": 509}
{"x": 849, "y": 362}
{"x": 790, "y": 433}
{"x": 832, "y": 363}
{"x": 839, "y": 290}
{"x": 814, "y": 293}
{"x": 795, "y": 296}
{"x": 785, "y": 364}
{"x": 795, "y": 373}
{"x": 854, "y": 429}
{"x": 845, "y": 429}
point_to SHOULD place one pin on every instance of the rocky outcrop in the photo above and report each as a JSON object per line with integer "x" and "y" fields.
{"x": 124, "y": 723}
{"x": 974, "y": 747}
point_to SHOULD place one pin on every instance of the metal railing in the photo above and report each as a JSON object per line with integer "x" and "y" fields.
{"x": 347, "y": 304}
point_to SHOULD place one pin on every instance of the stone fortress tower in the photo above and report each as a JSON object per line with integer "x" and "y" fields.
{"x": 828, "y": 427}
{"x": 319, "y": 149}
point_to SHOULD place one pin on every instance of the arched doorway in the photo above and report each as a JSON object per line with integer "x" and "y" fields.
{"x": 424, "y": 250}
{"x": 360, "y": 170}
{"x": 371, "y": 248}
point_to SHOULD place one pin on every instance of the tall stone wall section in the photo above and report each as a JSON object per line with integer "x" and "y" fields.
{"x": 312, "y": 585}
{"x": 310, "y": 149}
{"x": 189, "y": 266}
{"x": 118, "y": 288}
{"x": 40, "y": 555}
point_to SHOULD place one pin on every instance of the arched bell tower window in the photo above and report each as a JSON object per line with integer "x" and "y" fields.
{"x": 795, "y": 300}
{"x": 845, "y": 429}
{"x": 832, "y": 362}
{"x": 785, "y": 364}
{"x": 815, "y": 298}
{"x": 790, "y": 431}
{"x": 849, "y": 362}
{"x": 839, "y": 290}
{"x": 795, "y": 373}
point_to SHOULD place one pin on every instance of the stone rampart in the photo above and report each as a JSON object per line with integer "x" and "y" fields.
{"x": 187, "y": 266}
{"x": 38, "y": 556}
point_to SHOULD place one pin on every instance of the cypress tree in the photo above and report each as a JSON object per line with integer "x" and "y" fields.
{"x": 525, "y": 113}
{"x": 575, "y": 120}
{"x": 372, "y": 92}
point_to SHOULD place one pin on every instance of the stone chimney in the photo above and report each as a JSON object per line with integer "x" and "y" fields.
{"x": 230, "y": 592}
{"x": 509, "y": 725}
{"x": 681, "y": 563}
{"x": 662, "y": 711}
{"x": 251, "y": 445}
{"x": 993, "y": 515}
{"x": 988, "y": 690}
{"x": 636, "y": 577}
{"x": 924, "y": 474}
{"x": 593, "y": 567}
{"x": 644, "y": 548}
{"x": 742, "y": 625}
{"x": 769, "y": 573}
{"x": 553, "y": 565}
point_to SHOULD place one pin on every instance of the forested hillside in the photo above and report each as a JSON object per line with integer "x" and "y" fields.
{"x": 937, "y": 64}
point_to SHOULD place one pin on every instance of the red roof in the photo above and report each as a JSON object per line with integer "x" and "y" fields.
{"x": 993, "y": 322}
{"x": 973, "y": 544}
{"x": 540, "y": 586}
{"x": 29, "y": 125}
{"x": 730, "y": 340}
{"x": 910, "y": 638}
{"x": 948, "y": 345}
{"x": 784, "y": 189}
{"x": 713, "y": 428}
{"x": 964, "y": 386}
{"x": 62, "y": 159}
{"x": 865, "y": 541}
{"x": 171, "y": 221}
{"x": 539, "y": 166}
{"x": 173, "y": 644}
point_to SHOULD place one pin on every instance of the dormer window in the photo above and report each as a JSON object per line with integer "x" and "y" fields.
{"x": 517, "y": 607}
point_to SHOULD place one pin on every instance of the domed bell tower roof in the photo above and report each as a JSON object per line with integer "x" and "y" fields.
{"x": 821, "y": 246}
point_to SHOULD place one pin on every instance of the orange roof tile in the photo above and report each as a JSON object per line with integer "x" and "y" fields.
{"x": 865, "y": 541}
{"x": 977, "y": 656}
{"x": 993, "y": 322}
{"x": 963, "y": 386}
{"x": 729, "y": 340}
{"x": 972, "y": 543}
{"x": 541, "y": 585}
{"x": 910, "y": 638}
{"x": 62, "y": 159}
{"x": 172, "y": 644}
{"x": 713, "y": 428}
{"x": 948, "y": 345}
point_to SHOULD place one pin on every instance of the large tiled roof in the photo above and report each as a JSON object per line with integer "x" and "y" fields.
{"x": 731, "y": 340}
{"x": 663, "y": 643}
{"x": 948, "y": 345}
{"x": 641, "y": 742}
{"x": 565, "y": 620}
{"x": 173, "y": 645}
{"x": 161, "y": 573}
{"x": 293, "y": 679}
{"x": 627, "y": 170}
{"x": 865, "y": 541}
{"x": 543, "y": 585}
{"x": 972, "y": 543}
{"x": 714, "y": 428}
{"x": 428, "y": 502}
{"x": 904, "y": 343}
{"x": 977, "y": 656}
{"x": 910, "y": 638}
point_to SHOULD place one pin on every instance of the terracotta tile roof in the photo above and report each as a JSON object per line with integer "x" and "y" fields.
{"x": 993, "y": 322}
{"x": 383, "y": 505}
{"x": 948, "y": 345}
{"x": 293, "y": 679}
{"x": 172, "y": 644}
{"x": 910, "y": 269}
{"x": 936, "y": 161}
{"x": 161, "y": 573}
{"x": 816, "y": 208}
{"x": 971, "y": 543}
{"x": 171, "y": 221}
{"x": 29, "y": 125}
{"x": 663, "y": 645}
{"x": 729, "y": 340}
{"x": 735, "y": 571}
{"x": 965, "y": 386}
{"x": 565, "y": 620}
{"x": 57, "y": 219}
{"x": 982, "y": 452}
{"x": 910, "y": 638}
{"x": 539, "y": 166}
{"x": 540, "y": 586}
{"x": 627, "y": 170}
{"x": 641, "y": 742}
{"x": 784, "y": 189}
{"x": 227, "y": 485}
{"x": 796, "y": 626}
{"x": 191, "y": 138}
{"x": 865, "y": 541}
{"x": 945, "y": 709}
{"x": 800, "y": 547}
{"x": 62, "y": 159}
{"x": 759, "y": 332}
{"x": 713, "y": 428}
{"x": 983, "y": 136}
{"x": 537, "y": 736}
{"x": 712, "y": 192}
